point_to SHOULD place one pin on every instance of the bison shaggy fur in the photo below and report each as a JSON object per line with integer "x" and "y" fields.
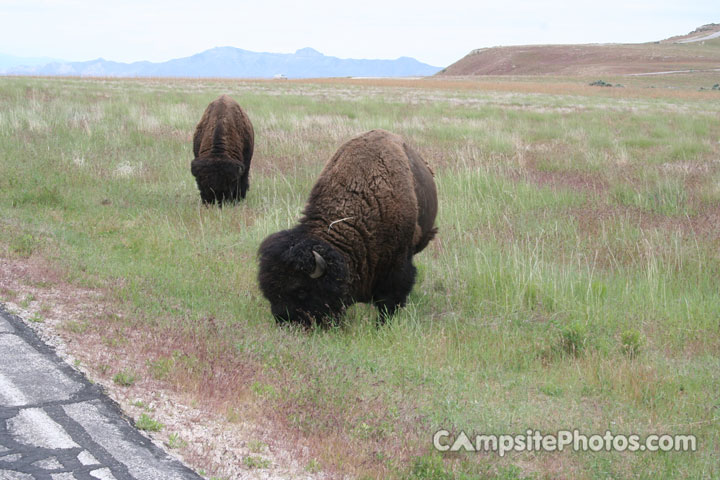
{"x": 223, "y": 147}
{"x": 372, "y": 208}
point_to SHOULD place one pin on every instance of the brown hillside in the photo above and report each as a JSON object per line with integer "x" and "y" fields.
{"x": 698, "y": 50}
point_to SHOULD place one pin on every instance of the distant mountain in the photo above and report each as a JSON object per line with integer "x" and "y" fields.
{"x": 238, "y": 63}
{"x": 11, "y": 61}
{"x": 698, "y": 50}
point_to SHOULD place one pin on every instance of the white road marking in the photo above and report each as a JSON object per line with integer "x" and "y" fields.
{"x": 10, "y": 395}
{"x": 32, "y": 426}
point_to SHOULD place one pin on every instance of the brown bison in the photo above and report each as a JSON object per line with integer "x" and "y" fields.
{"x": 223, "y": 147}
{"x": 370, "y": 211}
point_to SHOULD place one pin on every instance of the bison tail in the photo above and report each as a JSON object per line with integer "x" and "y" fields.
{"x": 424, "y": 239}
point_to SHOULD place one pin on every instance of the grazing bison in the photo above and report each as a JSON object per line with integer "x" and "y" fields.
{"x": 370, "y": 211}
{"x": 223, "y": 148}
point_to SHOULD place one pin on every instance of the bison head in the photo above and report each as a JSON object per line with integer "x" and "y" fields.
{"x": 304, "y": 278}
{"x": 218, "y": 179}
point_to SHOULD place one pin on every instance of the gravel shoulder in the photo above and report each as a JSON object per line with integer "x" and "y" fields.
{"x": 203, "y": 439}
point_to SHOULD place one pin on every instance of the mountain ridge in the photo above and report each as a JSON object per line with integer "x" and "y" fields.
{"x": 233, "y": 62}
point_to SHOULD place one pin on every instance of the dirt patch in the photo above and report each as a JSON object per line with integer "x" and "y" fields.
{"x": 558, "y": 179}
{"x": 86, "y": 329}
{"x": 592, "y": 220}
{"x": 577, "y": 181}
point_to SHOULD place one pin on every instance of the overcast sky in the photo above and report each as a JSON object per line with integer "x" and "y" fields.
{"x": 438, "y": 32}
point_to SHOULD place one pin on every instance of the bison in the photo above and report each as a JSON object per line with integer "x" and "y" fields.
{"x": 370, "y": 211}
{"x": 223, "y": 147}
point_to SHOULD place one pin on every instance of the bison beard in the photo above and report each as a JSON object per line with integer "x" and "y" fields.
{"x": 371, "y": 210}
{"x": 223, "y": 147}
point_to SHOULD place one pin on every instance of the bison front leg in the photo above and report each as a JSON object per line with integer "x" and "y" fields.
{"x": 391, "y": 293}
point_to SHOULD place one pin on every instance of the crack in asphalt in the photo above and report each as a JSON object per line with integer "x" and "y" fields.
{"x": 74, "y": 431}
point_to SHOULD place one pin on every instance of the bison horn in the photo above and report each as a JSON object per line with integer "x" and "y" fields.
{"x": 320, "y": 266}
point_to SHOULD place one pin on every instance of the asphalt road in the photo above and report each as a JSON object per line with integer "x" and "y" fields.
{"x": 56, "y": 425}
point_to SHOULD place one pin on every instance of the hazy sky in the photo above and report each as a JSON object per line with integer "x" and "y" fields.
{"x": 438, "y": 32}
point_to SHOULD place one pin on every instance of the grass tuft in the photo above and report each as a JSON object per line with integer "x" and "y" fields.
{"x": 631, "y": 342}
{"x": 145, "y": 422}
{"x": 125, "y": 378}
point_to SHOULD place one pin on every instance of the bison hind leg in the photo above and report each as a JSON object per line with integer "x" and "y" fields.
{"x": 244, "y": 184}
{"x": 392, "y": 292}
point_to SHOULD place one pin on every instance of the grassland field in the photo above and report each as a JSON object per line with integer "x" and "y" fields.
{"x": 573, "y": 283}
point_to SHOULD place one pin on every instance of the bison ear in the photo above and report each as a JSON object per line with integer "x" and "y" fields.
{"x": 320, "y": 266}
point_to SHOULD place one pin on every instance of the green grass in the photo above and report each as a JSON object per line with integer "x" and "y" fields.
{"x": 125, "y": 378}
{"x": 256, "y": 462}
{"x": 175, "y": 441}
{"x": 543, "y": 304}
{"x": 147, "y": 423}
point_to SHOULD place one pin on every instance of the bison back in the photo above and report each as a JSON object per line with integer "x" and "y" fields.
{"x": 224, "y": 130}
{"x": 364, "y": 203}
